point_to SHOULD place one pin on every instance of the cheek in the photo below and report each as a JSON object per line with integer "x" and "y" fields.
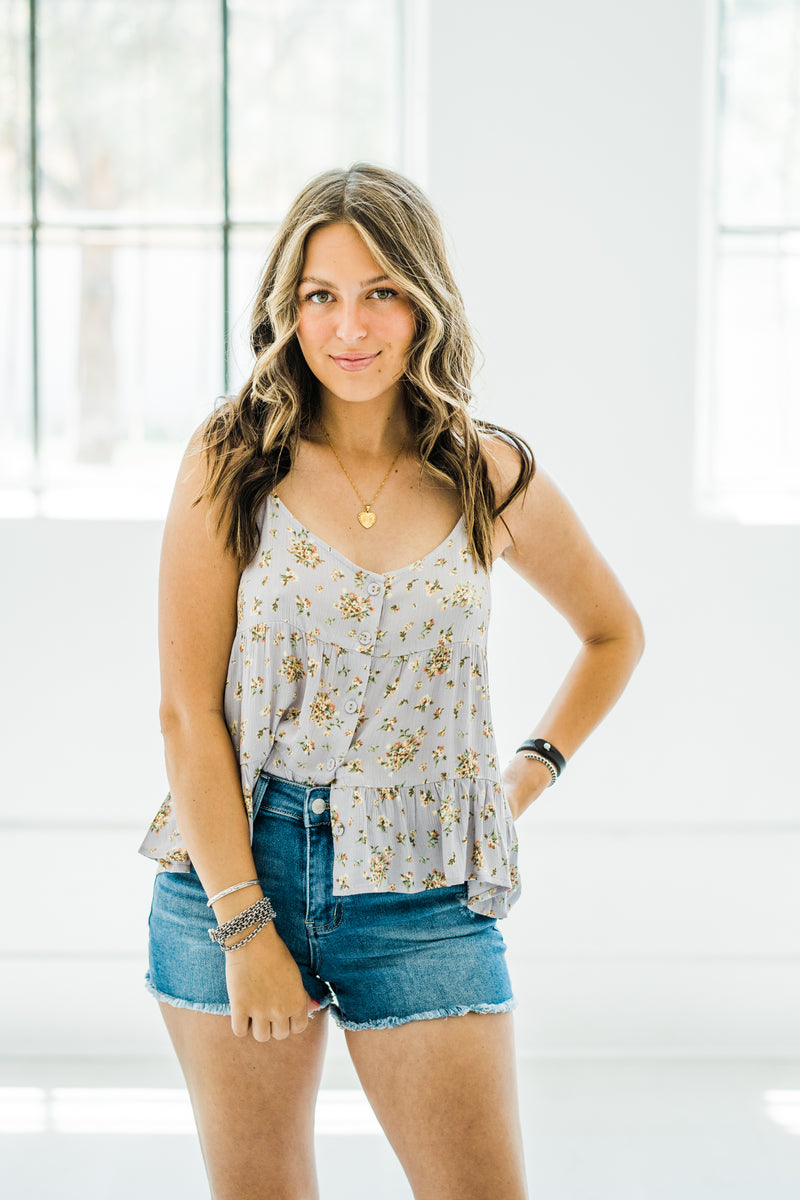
{"x": 400, "y": 330}
{"x": 309, "y": 330}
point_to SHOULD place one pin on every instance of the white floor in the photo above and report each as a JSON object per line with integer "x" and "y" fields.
{"x": 632, "y": 1129}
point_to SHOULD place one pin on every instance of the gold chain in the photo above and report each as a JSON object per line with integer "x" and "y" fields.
{"x": 367, "y": 518}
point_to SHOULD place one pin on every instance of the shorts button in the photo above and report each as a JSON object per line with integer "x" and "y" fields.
{"x": 351, "y": 706}
{"x": 319, "y": 805}
{"x": 330, "y": 765}
{"x": 375, "y": 589}
{"x": 363, "y": 637}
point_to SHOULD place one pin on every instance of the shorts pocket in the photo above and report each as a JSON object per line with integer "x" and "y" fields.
{"x": 258, "y": 791}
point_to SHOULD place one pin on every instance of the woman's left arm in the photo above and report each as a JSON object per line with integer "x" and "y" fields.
{"x": 554, "y": 554}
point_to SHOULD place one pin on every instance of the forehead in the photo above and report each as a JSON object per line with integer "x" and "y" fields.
{"x": 338, "y": 249}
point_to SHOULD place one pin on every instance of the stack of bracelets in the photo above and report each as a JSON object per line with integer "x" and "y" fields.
{"x": 546, "y": 753}
{"x": 257, "y": 915}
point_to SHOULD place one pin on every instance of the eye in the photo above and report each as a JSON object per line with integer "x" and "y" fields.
{"x": 384, "y": 293}
{"x": 313, "y": 297}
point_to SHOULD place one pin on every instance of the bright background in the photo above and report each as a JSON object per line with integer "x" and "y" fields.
{"x": 660, "y": 899}
{"x": 569, "y": 150}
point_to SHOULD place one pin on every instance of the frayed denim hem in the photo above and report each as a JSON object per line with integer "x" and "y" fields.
{"x": 220, "y": 1010}
{"x": 391, "y": 1022}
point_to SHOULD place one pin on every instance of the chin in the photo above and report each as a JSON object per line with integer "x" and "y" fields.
{"x": 356, "y": 391}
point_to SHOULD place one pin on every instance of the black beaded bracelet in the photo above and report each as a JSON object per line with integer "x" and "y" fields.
{"x": 548, "y": 750}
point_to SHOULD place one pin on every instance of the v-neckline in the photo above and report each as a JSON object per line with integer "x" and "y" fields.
{"x": 320, "y": 542}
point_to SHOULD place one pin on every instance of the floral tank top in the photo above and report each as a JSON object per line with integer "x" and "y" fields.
{"x": 376, "y": 686}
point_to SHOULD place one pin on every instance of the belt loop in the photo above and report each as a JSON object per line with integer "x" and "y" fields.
{"x": 260, "y": 785}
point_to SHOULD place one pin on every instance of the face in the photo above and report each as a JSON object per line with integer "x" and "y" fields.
{"x": 356, "y": 324}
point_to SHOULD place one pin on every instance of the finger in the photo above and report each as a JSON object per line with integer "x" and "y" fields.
{"x": 298, "y": 1022}
{"x": 280, "y": 1029}
{"x": 261, "y": 1029}
{"x": 240, "y": 1023}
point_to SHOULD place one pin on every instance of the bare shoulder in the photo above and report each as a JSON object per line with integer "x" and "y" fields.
{"x": 196, "y": 528}
{"x": 198, "y": 584}
{"x": 503, "y": 463}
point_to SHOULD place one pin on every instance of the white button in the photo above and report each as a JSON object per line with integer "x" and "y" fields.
{"x": 351, "y": 706}
{"x": 319, "y": 805}
{"x": 330, "y": 765}
{"x": 363, "y": 637}
{"x": 375, "y": 589}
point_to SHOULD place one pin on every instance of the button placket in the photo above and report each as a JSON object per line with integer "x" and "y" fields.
{"x": 366, "y": 639}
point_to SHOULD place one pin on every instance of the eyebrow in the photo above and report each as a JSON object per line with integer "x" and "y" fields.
{"x": 326, "y": 283}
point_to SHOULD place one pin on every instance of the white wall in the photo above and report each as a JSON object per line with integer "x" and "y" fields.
{"x": 567, "y": 161}
{"x": 565, "y": 158}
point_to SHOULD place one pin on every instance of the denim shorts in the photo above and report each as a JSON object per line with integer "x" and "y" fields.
{"x": 378, "y": 959}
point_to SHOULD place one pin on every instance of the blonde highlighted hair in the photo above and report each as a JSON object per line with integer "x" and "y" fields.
{"x": 250, "y": 441}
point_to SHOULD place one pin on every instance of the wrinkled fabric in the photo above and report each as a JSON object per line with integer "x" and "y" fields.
{"x": 377, "y": 685}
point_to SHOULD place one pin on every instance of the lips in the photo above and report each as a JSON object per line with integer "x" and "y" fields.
{"x": 353, "y": 362}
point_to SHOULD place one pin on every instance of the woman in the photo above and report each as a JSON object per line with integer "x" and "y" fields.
{"x": 335, "y": 791}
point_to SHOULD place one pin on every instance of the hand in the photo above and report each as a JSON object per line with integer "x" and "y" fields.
{"x": 524, "y": 780}
{"x": 266, "y": 989}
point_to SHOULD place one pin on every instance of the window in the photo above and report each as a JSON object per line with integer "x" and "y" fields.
{"x": 148, "y": 149}
{"x": 749, "y": 444}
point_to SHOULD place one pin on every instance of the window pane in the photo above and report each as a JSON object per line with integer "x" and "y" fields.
{"x": 325, "y": 94}
{"x": 16, "y": 357}
{"x": 129, "y": 107}
{"x": 14, "y": 107}
{"x": 760, "y": 113}
{"x": 249, "y": 249}
{"x": 757, "y": 420}
{"x": 131, "y": 337}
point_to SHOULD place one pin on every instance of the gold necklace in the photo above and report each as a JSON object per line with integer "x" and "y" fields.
{"x": 367, "y": 517}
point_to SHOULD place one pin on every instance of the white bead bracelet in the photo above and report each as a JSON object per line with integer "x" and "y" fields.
{"x": 541, "y": 758}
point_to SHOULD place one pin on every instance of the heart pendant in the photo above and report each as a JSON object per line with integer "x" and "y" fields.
{"x": 367, "y": 519}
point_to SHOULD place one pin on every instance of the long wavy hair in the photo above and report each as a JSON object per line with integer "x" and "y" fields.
{"x": 249, "y": 441}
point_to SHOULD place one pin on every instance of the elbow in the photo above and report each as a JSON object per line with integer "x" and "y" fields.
{"x": 627, "y": 633}
{"x": 637, "y": 637}
{"x": 169, "y": 718}
{"x": 172, "y": 723}
{"x": 178, "y": 719}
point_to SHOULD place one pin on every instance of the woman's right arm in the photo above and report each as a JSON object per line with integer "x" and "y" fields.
{"x": 198, "y": 585}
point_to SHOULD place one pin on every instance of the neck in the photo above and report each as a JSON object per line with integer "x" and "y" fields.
{"x": 363, "y": 430}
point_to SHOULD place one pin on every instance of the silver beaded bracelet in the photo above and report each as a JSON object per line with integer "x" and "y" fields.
{"x": 541, "y": 758}
{"x": 259, "y": 914}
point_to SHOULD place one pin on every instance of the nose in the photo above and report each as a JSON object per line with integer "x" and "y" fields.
{"x": 351, "y": 326}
